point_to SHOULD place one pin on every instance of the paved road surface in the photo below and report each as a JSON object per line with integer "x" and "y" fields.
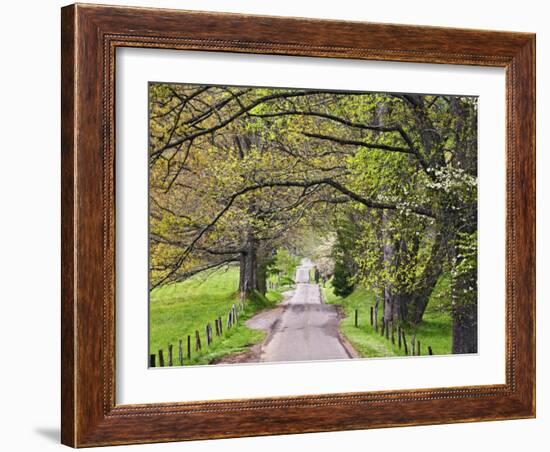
{"x": 303, "y": 328}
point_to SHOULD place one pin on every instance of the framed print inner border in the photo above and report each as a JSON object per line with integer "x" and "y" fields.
{"x": 90, "y": 36}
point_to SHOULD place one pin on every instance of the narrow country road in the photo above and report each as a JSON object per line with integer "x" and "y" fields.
{"x": 302, "y": 328}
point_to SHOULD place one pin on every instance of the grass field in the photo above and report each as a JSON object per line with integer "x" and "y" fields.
{"x": 178, "y": 310}
{"x": 435, "y": 329}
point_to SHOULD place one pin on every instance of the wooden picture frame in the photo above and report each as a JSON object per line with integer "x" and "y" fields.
{"x": 90, "y": 36}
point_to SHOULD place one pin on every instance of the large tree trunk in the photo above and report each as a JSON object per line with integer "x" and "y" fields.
{"x": 252, "y": 275}
{"x": 248, "y": 277}
{"x": 261, "y": 275}
{"x": 391, "y": 251}
{"x": 395, "y": 305}
{"x": 465, "y": 314}
{"x": 410, "y": 306}
{"x": 464, "y": 302}
{"x": 418, "y": 300}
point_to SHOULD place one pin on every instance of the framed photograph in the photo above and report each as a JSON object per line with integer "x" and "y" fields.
{"x": 280, "y": 225}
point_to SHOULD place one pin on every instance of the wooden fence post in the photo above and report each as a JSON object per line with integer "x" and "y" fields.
{"x": 180, "y": 352}
{"x": 371, "y": 315}
{"x": 430, "y": 351}
{"x": 404, "y": 341}
{"x": 392, "y": 332}
{"x": 383, "y": 329}
{"x": 220, "y": 324}
{"x": 170, "y": 361}
{"x": 412, "y": 345}
{"x": 217, "y": 327}
{"x": 197, "y": 341}
{"x": 376, "y": 318}
{"x": 161, "y": 358}
{"x": 152, "y": 360}
{"x": 206, "y": 334}
{"x": 417, "y": 348}
{"x": 229, "y": 319}
{"x": 188, "y": 346}
{"x": 356, "y": 318}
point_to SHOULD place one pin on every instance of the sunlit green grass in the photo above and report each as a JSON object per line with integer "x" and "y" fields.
{"x": 434, "y": 331}
{"x": 178, "y": 310}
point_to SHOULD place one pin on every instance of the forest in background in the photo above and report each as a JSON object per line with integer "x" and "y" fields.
{"x": 378, "y": 189}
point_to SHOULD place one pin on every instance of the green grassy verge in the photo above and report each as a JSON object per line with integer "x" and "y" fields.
{"x": 178, "y": 310}
{"x": 435, "y": 329}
